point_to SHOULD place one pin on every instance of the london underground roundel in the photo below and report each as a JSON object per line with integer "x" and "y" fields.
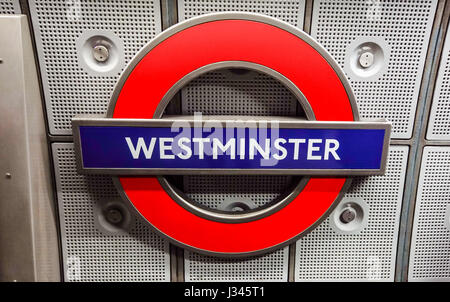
{"x": 141, "y": 147}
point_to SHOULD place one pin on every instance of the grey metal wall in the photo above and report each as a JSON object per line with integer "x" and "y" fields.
{"x": 332, "y": 252}
{"x": 429, "y": 251}
{"x": 93, "y": 248}
{"x": 64, "y": 29}
{"x": 430, "y": 246}
{"x": 408, "y": 35}
{"x": 28, "y": 241}
{"x": 8, "y": 7}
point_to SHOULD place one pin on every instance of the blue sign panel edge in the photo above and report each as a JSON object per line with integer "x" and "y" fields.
{"x": 116, "y": 147}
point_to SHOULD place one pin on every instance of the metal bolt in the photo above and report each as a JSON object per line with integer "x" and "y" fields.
{"x": 1, "y": 60}
{"x": 348, "y": 215}
{"x": 366, "y": 59}
{"x": 101, "y": 53}
{"x": 8, "y": 175}
{"x": 237, "y": 209}
{"x": 114, "y": 216}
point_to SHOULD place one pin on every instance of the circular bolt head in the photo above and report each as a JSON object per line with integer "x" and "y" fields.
{"x": 366, "y": 59}
{"x": 101, "y": 53}
{"x": 114, "y": 216}
{"x": 8, "y": 175}
{"x": 347, "y": 215}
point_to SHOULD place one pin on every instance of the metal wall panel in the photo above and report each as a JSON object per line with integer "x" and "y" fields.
{"x": 334, "y": 254}
{"x": 439, "y": 122}
{"x": 291, "y": 11}
{"x": 227, "y": 93}
{"x": 94, "y": 250}
{"x": 224, "y": 93}
{"x": 430, "y": 246}
{"x": 268, "y": 268}
{"x": 214, "y": 192}
{"x": 398, "y": 33}
{"x": 64, "y": 31}
{"x": 8, "y": 7}
{"x": 253, "y": 93}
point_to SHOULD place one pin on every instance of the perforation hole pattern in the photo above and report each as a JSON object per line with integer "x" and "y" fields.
{"x": 222, "y": 93}
{"x": 90, "y": 254}
{"x": 406, "y": 27}
{"x": 324, "y": 254}
{"x": 69, "y": 89}
{"x": 255, "y": 94}
{"x": 430, "y": 246}
{"x": 287, "y": 10}
{"x": 213, "y": 191}
{"x": 9, "y": 7}
{"x": 272, "y": 267}
{"x": 219, "y": 93}
{"x": 439, "y": 127}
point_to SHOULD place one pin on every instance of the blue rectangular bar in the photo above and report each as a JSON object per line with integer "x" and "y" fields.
{"x": 159, "y": 148}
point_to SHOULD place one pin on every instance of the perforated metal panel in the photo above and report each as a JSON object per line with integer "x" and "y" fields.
{"x": 8, "y": 7}
{"x": 89, "y": 253}
{"x": 225, "y": 93}
{"x": 69, "y": 89}
{"x": 214, "y": 191}
{"x": 271, "y": 267}
{"x": 430, "y": 245}
{"x": 325, "y": 254}
{"x": 403, "y": 27}
{"x": 439, "y": 125}
{"x": 249, "y": 94}
{"x": 291, "y": 11}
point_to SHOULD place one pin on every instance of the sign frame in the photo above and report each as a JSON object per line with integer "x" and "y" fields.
{"x": 235, "y": 121}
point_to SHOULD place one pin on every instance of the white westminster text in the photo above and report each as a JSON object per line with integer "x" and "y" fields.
{"x": 213, "y": 148}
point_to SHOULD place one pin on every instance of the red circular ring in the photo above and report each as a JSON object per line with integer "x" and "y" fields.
{"x": 232, "y": 40}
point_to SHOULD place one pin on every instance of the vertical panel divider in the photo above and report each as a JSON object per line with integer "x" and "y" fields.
{"x": 419, "y": 142}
